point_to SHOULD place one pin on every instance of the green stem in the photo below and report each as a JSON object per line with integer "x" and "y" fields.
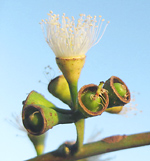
{"x": 74, "y": 93}
{"x": 38, "y": 142}
{"x": 80, "y": 123}
{"x": 63, "y": 111}
{"x": 80, "y": 134}
{"x": 99, "y": 147}
{"x": 65, "y": 118}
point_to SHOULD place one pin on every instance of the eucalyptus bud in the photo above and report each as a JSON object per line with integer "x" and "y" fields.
{"x": 59, "y": 88}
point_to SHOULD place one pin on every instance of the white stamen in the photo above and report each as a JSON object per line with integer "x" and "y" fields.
{"x": 67, "y": 39}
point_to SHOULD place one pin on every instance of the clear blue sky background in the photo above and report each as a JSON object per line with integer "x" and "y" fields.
{"x": 123, "y": 51}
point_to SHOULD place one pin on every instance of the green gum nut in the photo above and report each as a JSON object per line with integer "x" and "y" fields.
{"x": 59, "y": 88}
{"x": 92, "y": 103}
{"x": 40, "y": 115}
{"x": 38, "y": 142}
{"x": 118, "y": 92}
{"x": 37, "y": 119}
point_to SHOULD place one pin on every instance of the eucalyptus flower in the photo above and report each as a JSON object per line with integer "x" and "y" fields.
{"x": 70, "y": 41}
{"x": 68, "y": 38}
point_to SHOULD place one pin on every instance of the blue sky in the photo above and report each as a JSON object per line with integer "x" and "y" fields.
{"x": 123, "y": 51}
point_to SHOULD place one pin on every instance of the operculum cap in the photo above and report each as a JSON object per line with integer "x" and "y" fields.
{"x": 59, "y": 88}
{"x": 118, "y": 92}
{"x": 90, "y": 103}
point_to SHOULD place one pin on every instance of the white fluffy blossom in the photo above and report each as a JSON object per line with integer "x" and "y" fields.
{"x": 69, "y": 39}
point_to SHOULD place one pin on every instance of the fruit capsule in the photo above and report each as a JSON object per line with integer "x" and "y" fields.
{"x": 118, "y": 92}
{"x": 90, "y": 102}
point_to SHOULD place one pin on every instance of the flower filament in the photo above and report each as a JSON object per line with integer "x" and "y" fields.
{"x": 68, "y": 39}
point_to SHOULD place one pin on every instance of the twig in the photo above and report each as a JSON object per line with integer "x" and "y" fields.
{"x": 106, "y": 145}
